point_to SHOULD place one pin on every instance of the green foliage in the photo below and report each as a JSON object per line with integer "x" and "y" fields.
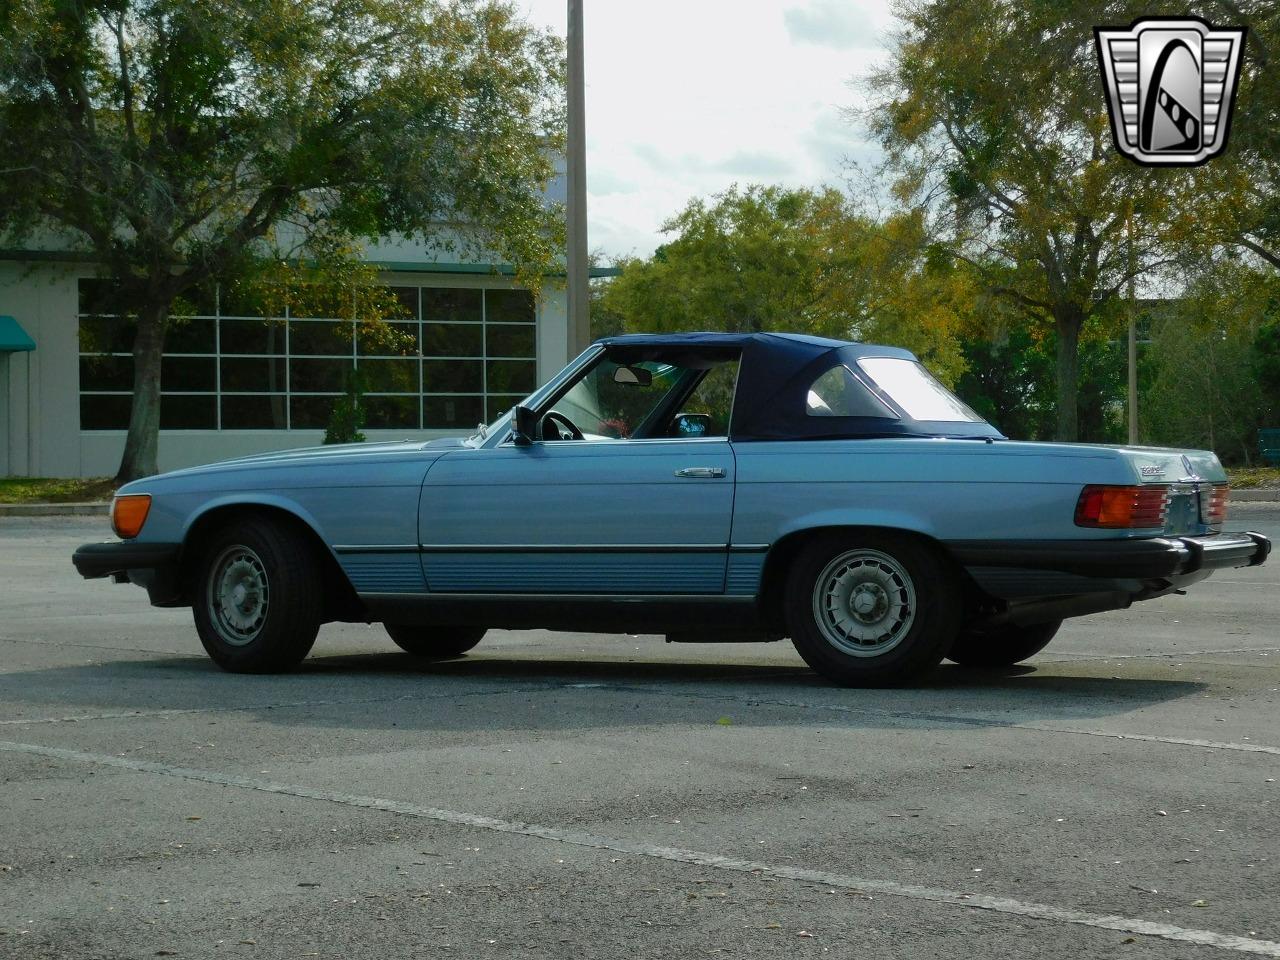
{"x": 1011, "y": 383}
{"x": 335, "y": 283}
{"x": 1266, "y": 345}
{"x": 55, "y": 490}
{"x": 1211, "y": 365}
{"x": 992, "y": 117}
{"x": 1254, "y": 478}
{"x": 807, "y": 261}
{"x": 1242, "y": 188}
{"x": 178, "y": 142}
{"x": 348, "y": 416}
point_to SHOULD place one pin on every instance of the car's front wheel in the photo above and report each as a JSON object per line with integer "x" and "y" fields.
{"x": 257, "y": 597}
{"x": 1003, "y": 646}
{"x": 871, "y": 609}
{"x": 434, "y": 643}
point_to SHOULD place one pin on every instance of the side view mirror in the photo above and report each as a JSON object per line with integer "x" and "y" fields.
{"x": 524, "y": 426}
{"x": 633, "y": 376}
{"x": 692, "y": 424}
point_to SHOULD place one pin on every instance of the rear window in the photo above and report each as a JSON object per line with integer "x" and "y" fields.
{"x": 913, "y": 388}
{"x": 838, "y": 393}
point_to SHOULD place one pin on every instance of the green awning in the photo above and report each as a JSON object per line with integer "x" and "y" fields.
{"x": 13, "y": 339}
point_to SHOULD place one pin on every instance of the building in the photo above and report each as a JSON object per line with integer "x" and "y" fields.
{"x": 471, "y": 343}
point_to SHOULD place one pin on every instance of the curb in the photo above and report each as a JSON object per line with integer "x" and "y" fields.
{"x": 1255, "y": 496}
{"x": 55, "y": 509}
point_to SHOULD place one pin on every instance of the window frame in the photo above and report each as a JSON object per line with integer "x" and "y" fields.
{"x": 674, "y": 399}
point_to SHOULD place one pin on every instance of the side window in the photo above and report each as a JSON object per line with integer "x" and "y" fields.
{"x": 706, "y": 412}
{"x": 916, "y": 391}
{"x": 838, "y": 393}
{"x": 607, "y": 405}
{"x": 625, "y": 405}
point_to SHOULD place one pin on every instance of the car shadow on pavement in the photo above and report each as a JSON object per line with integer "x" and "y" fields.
{"x": 385, "y": 690}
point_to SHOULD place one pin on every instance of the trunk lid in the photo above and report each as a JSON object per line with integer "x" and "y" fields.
{"x": 1190, "y": 476}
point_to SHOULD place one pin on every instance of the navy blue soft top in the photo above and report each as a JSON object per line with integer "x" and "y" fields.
{"x": 774, "y": 380}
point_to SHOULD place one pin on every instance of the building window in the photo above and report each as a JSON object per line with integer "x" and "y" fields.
{"x": 452, "y": 358}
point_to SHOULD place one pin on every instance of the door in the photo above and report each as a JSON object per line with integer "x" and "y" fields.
{"x": 629, "y": 493}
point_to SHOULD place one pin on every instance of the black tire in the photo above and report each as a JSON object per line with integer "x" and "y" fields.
{"x": 434, "y": 643}
{"x": 272, "y": 625}
{"x": 893, "y": 588}
{"x": 1003, "y": 646}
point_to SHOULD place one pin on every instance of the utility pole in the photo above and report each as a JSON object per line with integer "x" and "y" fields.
{"x": 576, "y": 170}
{"x": 1133, "y": 340}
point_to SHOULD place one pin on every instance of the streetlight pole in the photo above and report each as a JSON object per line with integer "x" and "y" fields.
{"x": 1133, "y": 341}
{"x": 576, "y": 181}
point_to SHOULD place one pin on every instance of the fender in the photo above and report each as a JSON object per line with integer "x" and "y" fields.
{"x": 258, "y": 499}
{"x": 858, "y": 517}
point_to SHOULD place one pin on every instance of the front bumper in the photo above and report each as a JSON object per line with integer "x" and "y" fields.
{"x": 1160, "y": 558}
{"x": 153, "y": 566}
{"x": 94, "y": 560}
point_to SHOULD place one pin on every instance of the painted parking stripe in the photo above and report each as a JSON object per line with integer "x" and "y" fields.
{"x": 280, "y": 705}
{"x": 1001, "y": 905}
{"x": 1043, "y": 728}
{"x": 989, "y": 722}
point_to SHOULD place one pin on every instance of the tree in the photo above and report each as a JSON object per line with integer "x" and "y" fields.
{"x": 807, "y": 261}
{"x": 994, "y": 121}
{"x": 176, "y": 142}
{"x": 348, "y": 417}
{"x": 1010, "y": 381}
{"x": 1248, "y": 192}
{"x": 1212, "y": 362}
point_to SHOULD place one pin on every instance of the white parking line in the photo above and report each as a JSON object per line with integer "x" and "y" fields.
{"x": 1003, "y": 905}
{"x": 1151, "y": 738}
{"x": 995, "y": 723}
{"x": 284, "y": 705}
{"x": 1175, "y": 655}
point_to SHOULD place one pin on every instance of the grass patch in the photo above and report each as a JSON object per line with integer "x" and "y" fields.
{"x": 55, "y": 490}
{"x": 1245, "y": 478}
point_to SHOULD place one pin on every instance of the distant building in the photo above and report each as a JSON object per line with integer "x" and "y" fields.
{"x": 472, "y": 343}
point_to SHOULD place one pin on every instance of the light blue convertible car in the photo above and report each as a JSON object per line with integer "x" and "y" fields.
{"x": 710, "y": 487}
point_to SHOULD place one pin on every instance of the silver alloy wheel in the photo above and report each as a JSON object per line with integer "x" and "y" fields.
{"x": 864, "y": 602}
{"x": 238, "y": 595}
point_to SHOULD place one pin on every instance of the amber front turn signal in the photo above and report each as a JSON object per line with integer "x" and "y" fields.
{"x": 1127, "y": 508}
{"x": 129, "y": 513}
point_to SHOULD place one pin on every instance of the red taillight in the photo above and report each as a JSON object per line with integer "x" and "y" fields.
{"x": 1213, "y": 504}
{"x": 1123, "y": 507}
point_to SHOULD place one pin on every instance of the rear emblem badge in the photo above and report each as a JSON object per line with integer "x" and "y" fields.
{"x": 1152, "y": 471}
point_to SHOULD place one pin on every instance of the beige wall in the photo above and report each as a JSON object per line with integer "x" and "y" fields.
{"x": 42, "y": 415}
{"x": 44, "y": 437}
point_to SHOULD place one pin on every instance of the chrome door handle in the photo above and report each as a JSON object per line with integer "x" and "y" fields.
{"x": 701, "y": 473}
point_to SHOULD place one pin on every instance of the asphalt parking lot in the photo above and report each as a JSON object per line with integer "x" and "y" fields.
{"x": 566, "y": 795}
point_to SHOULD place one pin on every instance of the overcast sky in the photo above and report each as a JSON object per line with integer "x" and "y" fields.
{"x": 685, "y": 97}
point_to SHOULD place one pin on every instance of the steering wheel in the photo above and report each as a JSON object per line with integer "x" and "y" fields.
{"x": 554, "y": 419}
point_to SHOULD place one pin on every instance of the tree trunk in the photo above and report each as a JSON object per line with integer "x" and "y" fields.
{"x": 143, "y": 440}
{"x": 1069, "y": 319}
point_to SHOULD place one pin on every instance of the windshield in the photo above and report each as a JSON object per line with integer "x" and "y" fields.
{"x": 913, "y": 388}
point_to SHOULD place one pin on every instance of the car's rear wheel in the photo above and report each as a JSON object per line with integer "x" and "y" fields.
{"x": 257, "y": 597}
{"x": 871, "y": 609}
{"x": 1003, "y": 646}
{"x": 434, "y": 643}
